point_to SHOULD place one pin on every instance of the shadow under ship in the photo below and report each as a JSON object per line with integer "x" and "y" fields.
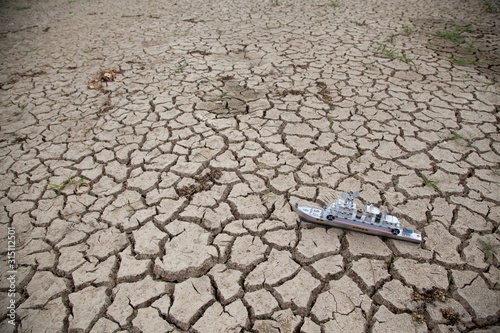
{"x": 343, "y": 214}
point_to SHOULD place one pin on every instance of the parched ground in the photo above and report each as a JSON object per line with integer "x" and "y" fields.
{"x": 160, "y": 201}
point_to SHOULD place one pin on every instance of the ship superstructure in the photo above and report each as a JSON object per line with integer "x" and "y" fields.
{"x": 343, "y": 213}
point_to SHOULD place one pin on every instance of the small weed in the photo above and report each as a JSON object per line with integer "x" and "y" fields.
{"x": 470, "y": 47}
{"x": 454, "y": 136}
{"x": 130, "y": 207}
{"x": 68, "y": 181}
{"x": 203, "y": 184}
{"x": 388, "y": 53}
{"x": 461, "y": 62}
{"x": 392, "y": 39}
{"x": 450, "y": 315}
{"x": 496, "y": 171}
{"x": 85, "y": 51}
{"x": 371, "y": 65}
{"x": 431, "y": 296}
{"x": 219, "y": 32}
{"x": 404, "y": 58}
{"x": 287, "y": 92}
{"x": 489, "y": 7}
{"x": 180, "y": 69}
{"x": 359, "y": 24}
{"x": 223, "y": 94}
{"x": 490, "y": 84}
{"x": 275, "y": 3}
{"x": 416, "y": 296}
{"x": 266, "y": 196}
{"x": 22, "y": 7}
{"x": 201, "y": 52}
{"x": 438, "y": 295}
{"x": 488, "y": 248}
{"x": 407, "y": 30}
{"x": 449, "y": 35}
{"x": 331, "y": 125}
{"x": 432, "y": 184}
{"x": 333, "y": 3}
{"x": 466, "y": 29}
{"x": 226, "y": 78}
{"x": 391, "y": 54}
{"x": 418, "y": 317}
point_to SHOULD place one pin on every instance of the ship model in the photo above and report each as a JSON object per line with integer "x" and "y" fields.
{"x": 342, "y": 213}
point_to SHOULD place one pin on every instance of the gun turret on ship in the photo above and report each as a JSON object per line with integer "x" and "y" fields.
{"x": 343, "y": 213}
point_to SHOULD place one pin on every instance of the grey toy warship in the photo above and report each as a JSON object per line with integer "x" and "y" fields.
{"x": 342, "y": 213}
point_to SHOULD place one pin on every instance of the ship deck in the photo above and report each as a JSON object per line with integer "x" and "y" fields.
{"x": 311, "y": 210}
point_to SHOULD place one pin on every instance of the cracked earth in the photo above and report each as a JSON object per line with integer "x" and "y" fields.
{"x": 158, "y": 198}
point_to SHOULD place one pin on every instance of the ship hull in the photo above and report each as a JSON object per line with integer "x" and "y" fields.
{"x": 346, "y": 224}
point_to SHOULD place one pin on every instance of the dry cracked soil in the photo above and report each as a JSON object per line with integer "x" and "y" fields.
{"x": 150, "y": 153}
